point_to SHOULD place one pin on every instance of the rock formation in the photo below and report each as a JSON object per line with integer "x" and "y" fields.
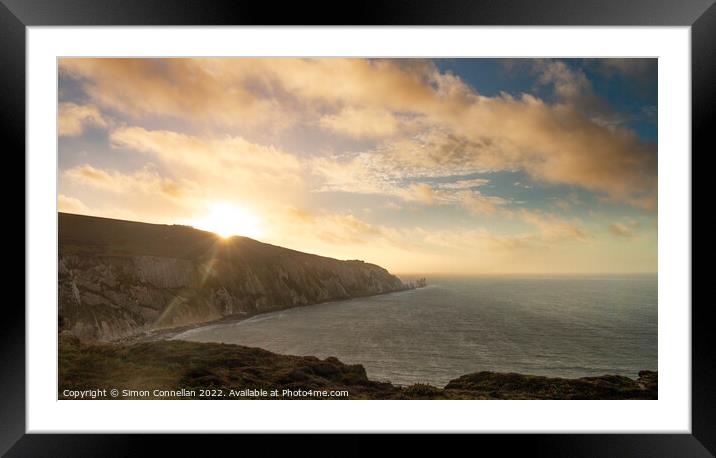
{"x": 121, "y": 278}
{"x": 178, "y": 365}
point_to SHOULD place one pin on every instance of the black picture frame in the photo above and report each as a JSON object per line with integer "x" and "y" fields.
{"x": 16, "y": 15}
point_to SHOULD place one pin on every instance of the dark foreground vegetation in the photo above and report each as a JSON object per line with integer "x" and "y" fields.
{"x": 222, "y": 371}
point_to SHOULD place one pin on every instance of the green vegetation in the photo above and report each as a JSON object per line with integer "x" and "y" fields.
{"x": 518, "y": 386}
{"x": 193, "y": 366}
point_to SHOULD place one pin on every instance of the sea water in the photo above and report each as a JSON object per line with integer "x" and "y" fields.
{"x": 556, "y": 326}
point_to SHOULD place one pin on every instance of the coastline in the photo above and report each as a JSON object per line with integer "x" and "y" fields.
{"x": 152, "y": 362}
{"x": 185, "y": 366}
{"x": 166, "y": 369}
{"x": 168, "y": 333}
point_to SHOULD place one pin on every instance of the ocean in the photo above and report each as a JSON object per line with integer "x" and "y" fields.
{"x": 573, "y": 326}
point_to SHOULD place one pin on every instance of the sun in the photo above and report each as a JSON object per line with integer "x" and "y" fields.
{"x": 228, "y": 220}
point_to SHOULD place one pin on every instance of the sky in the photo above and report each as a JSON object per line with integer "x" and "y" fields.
{"x": 422, "y": 166}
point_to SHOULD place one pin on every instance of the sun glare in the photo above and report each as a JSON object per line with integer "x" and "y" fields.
{"x": 227, "y": 220}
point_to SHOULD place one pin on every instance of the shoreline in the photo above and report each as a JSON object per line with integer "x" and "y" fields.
{"x": 169, "y": 333}
{"x": 166, "y": 335}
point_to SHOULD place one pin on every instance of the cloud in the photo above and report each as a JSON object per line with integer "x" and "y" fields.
{"x": 216, "y": 160}
{"x": 419, "y": 192}
{"x": 216, "y": 168}
{"x": 390, "y": 205}
{"x": 475, "y": 240}
{"x": 73, "y": 118}
{"x": 640, "y": 68}
{"x": 361, "y": 123}
{"x": 391, "y": 165}
{"x": 69, "y": 204}
{"x": 573, "y": 88}
{"x": 553, "y": 145}
{"x": 347, "y": 229}
{"x": 569, "y": 84}
{"x": 204, "y": 91}
{"x": 623, "y": 229}
{"x": 271, "y": 134}
{"x": 455, "y": 248}
{"x": 336, "y": 228}
{"x": 555, "y": 228}
{"x": 249, "y": 92}
{"x": 451, "y": 129}
{"x": 144, "y": 180}
{"x": 346, "y": 175}
{"x": 362, "y": 175}
{"x": 568, "y": 201}
{"x": 478, "y": 204}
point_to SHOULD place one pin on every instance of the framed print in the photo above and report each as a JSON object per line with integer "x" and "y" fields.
{"x": 422, "y": 218}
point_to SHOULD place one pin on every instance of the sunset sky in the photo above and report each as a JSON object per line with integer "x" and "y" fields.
{"x": 474, "y": 166}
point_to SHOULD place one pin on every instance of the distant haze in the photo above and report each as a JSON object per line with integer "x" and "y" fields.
{"x": 459, "y": 166}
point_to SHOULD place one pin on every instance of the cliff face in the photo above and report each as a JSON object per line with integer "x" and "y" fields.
{"x": 120, "y": 278}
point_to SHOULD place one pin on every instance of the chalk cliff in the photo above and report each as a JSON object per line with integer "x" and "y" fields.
{"x": 121, "y": 278}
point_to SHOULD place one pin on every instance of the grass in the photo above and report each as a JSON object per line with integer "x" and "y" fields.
{"x": 194, "y": 366}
